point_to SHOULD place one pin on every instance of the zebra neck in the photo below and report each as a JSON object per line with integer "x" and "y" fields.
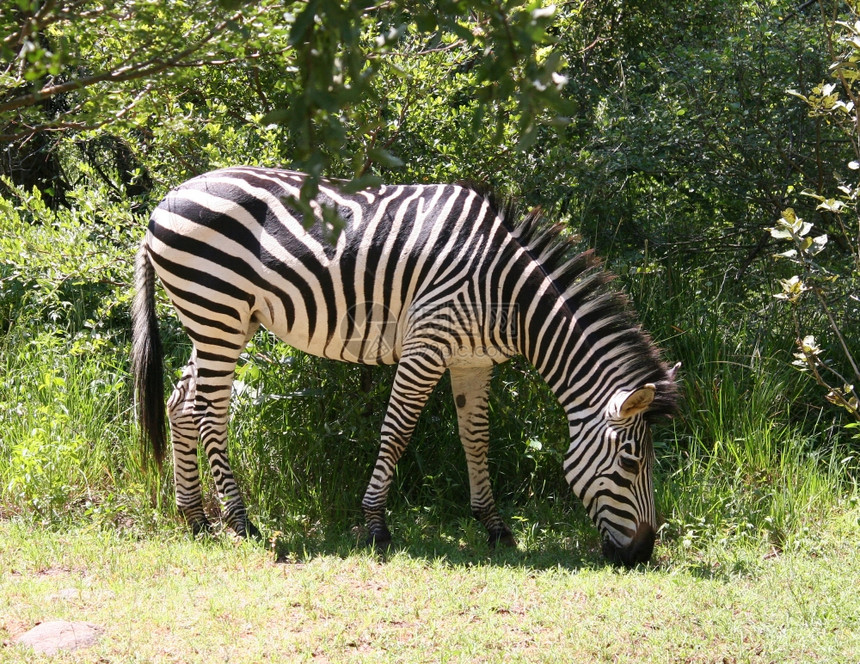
{"x": 583, "y": 361}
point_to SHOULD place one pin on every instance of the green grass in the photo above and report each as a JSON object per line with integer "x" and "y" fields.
{"x": 165, "y": 597}
{"x": 66, "y": 435}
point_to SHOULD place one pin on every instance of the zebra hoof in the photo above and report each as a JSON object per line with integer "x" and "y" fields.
{"x": 379, "y": 542}
{"x": 504, "y": 538}
{"x": 200, "y": 528}
{"x": 250, "y": 532}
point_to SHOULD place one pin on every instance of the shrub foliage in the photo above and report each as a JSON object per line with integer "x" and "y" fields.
{"x": 672, "y": 137}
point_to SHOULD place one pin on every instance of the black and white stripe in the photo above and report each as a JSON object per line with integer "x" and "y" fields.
{"x": 431, "y": 277}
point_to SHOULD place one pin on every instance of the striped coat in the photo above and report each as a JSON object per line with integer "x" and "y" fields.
{"x": 434, "y": 278}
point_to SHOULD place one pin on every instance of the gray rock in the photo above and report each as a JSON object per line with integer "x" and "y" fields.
{"x": 51, "y": 637}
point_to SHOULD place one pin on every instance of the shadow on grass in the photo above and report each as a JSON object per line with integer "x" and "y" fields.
{"x": 567, "y": 542}
{"x": 549, "y": 537}
{"x": 571, "y": 547}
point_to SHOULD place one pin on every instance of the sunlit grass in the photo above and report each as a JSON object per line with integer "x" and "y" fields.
{"x": 168, "y": 597}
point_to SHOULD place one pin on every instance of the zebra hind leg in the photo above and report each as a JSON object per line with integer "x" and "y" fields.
{"x": 211, "y": 413}
{"x": 184, "y": 434}
{"x": 470, "y": 388}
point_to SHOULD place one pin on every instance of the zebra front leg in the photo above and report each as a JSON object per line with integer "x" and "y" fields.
{"x": 470, "y": 388}
{"x": 414, "y": 380}
{"x": 184, "y": 435}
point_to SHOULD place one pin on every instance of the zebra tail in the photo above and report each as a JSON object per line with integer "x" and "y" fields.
{"x": 146, "y": 360}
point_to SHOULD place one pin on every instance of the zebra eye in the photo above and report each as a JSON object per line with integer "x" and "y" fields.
{"x": 628, "y": 464}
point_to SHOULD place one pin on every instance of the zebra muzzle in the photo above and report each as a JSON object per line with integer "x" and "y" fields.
{"x": 638, "y": 550}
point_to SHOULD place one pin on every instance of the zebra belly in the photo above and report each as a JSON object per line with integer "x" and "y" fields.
{"x": 475, "y": 357}
{"x": 358, "y": 336}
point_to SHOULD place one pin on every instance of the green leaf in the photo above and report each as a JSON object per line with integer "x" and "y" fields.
{"x": 302, "y": 24}
{"x": 366, "y": 181}
{"x": 831, "y": 205}
{"x": 385, "y": 158}
{"x": 791, "y": 253}
{"x": 818, "y": 244}
{"x": 277, "y": 116}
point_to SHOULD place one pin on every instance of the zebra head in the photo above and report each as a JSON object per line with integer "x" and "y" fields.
{"x": 609, "y": 467}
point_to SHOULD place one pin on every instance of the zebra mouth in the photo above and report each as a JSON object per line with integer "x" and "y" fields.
{"x": 638, "y": 550}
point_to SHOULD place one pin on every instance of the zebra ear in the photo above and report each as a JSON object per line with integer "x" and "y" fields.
{"x": 636, "y": 401}
{"x": 674, "y": 371}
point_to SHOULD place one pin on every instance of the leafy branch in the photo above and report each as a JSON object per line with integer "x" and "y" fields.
{"x": 78, "y": 66}
{"x": 333, "y": 53}
{"x": 815, "y": 280}
{"x": 832, "y": 289}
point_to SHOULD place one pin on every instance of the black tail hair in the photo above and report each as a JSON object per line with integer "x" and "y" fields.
{"x": 146, "y": 360}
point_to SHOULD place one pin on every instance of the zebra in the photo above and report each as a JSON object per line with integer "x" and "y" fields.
{"x": 431, "y": 277}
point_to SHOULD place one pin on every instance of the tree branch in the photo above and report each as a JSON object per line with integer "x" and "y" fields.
{"x": 837, "y": 332}
{"x": 148, "y": 68}
{"x": 59, "y": 125}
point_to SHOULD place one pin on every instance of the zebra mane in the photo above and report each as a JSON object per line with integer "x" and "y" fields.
{"x": 581, "y": 279}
